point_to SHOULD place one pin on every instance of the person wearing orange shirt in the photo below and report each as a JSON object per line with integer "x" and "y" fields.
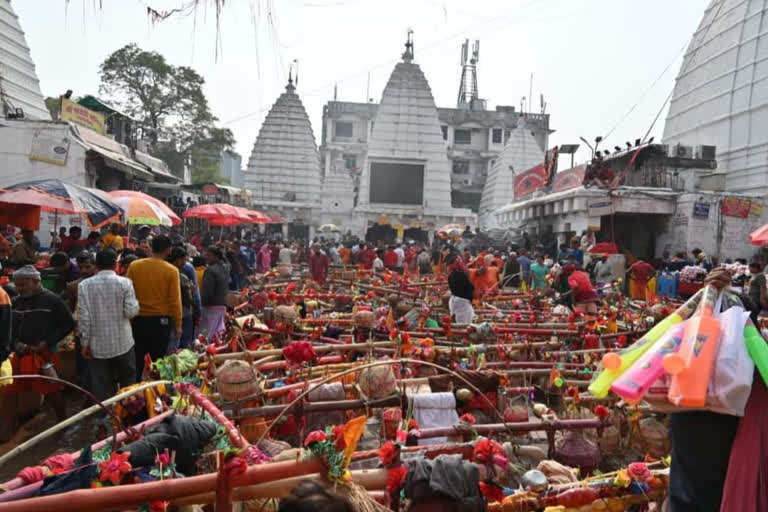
{"x": 485, "y": 280}
{"x": 346, "y": 254}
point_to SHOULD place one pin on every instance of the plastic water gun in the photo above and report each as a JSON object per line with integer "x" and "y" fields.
{"x": 615, "y": 364}
{"x": 757, "y": 348}
{"x": 636, "y": 381}
{"x": 692, "y": 365}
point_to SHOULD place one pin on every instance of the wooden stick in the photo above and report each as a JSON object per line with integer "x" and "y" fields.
{"x": 74, "y": 419}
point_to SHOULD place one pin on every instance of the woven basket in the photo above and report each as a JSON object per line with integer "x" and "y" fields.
{"x": 364, "y": 319}
{"x": 652, "y": 439}
{"x": 575, "y": 451}
{"x": 237, "y": 379}
{"x": 284, "y": 270}
{"x": 377, "y": 382}
{"x": 285, "y": 314}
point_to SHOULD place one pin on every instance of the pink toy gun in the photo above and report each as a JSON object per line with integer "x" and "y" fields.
{"x": 634, "y": 383}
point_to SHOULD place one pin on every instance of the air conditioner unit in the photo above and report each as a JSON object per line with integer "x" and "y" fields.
{"x": 705, "y": 152}
{"x": 681, "y": 151}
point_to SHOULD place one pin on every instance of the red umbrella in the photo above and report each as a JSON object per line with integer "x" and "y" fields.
{"x": 218, "y": 214}
{"x": 757, "y": 237}
{"x": 257, "y": 217}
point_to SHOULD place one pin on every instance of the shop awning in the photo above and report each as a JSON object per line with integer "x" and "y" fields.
{"x": 111, "y": 151}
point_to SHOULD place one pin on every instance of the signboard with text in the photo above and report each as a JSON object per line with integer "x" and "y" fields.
{"x": 79, "y": 115}
{"x": 733, "y": 207}
{"x": 701, "y": 210}
{"x": 600, "y": 207}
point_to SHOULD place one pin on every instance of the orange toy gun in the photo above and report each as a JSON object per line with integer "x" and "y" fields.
{"x": 692, "y": 365}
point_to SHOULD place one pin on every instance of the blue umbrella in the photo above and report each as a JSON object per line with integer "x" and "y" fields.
{"x": 98, "y": 209}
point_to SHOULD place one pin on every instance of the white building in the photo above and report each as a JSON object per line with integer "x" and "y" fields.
{"x": 20, "y": 94}
{"x": 35, "y": 150}
{"x": 405, "y": 185}
{"x": 283, "y": 172}
{"x": 721, "y": 93}
{"x": 521, "y": 152}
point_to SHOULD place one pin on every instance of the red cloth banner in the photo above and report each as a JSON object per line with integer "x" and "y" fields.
{"x": 569, "y": 178}
{"x": 530, "y": 181}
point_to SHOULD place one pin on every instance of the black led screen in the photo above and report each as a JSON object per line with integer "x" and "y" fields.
{"x": 395, "y": 183}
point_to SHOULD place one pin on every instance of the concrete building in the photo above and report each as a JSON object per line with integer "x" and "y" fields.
{"x": 721, "y": 94}
{"x": 232, "y": 168}
{"x": 655, "y": 203}
{"x": 473, "y": 138}
{"x": 283, "y": 172}
{"x": 20, "y": 95}
{"x": 48, "y": 149}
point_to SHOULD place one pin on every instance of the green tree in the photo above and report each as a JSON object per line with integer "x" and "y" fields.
{"x": 167, "y": 100}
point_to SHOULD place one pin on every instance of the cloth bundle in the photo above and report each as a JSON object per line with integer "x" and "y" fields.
{"x": 435, "y": 410}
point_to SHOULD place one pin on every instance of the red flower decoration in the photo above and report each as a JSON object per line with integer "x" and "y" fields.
{"x": 337, "y": 434}
{"x": 112, "y": 470}
{"x": 299, "y": 352}
{"x": 318, "y": 436}
{"x": 639, "y": 472}
{"x": 413, "y": 424}
{"x": 621, "y": 341}
{"x": 387, "y": 453}
{"x": 158, "y": 506}
{"x": 395, "y": 478}
{"x": 492, "y": 492}
{"x": 405, "y": 338}
{"x": 163, "y": 459}
{"x": 602, "y": 412}
{"x": 393, "y": 334}
{"x": 486, "y": 450}
{"x": 468, "y": 418}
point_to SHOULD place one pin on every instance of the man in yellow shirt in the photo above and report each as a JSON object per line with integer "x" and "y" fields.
{"x": 112, "y": 240}
{"x": 158, "y": 291}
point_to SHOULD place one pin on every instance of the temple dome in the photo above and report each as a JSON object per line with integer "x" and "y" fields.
{"x": 721, "y": 92}
{"x": 407, "y": 128}
{"x": 19, "y": 86}
{"x": 285, "y": 163}
{"x": 521, "y": 152}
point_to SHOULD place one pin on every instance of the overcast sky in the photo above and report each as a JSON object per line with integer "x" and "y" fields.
{"x": 594, "y": 60}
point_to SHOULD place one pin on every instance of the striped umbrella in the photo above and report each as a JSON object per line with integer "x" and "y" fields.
{"x": 158, "y": 207}
{"x": 139, "y": 211}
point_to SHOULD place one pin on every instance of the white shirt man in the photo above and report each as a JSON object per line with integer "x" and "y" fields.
{"x": 106, "y": 304}
{"x": 378, "y": 264}
{"x": 400, "y": 256}
{"x": 285, "y": 256}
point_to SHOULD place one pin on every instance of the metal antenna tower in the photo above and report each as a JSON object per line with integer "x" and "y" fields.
{"x": 468, "y": 86}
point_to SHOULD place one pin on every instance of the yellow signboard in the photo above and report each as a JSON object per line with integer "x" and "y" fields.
{"x": 756, "y": 208}
{"x": 78, "y": 114}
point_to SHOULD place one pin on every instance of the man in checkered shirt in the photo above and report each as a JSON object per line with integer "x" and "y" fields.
{"x": 106, "y": 304}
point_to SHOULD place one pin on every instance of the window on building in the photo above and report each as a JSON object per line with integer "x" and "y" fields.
{"x": 343, "y": 129}
{"x": 496, "y": 136}
{"x": 462, "y": 136}
{"x": 461, "y": 166}
{"x": 444, "y": 129}
{"x": 350, "y": 162}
